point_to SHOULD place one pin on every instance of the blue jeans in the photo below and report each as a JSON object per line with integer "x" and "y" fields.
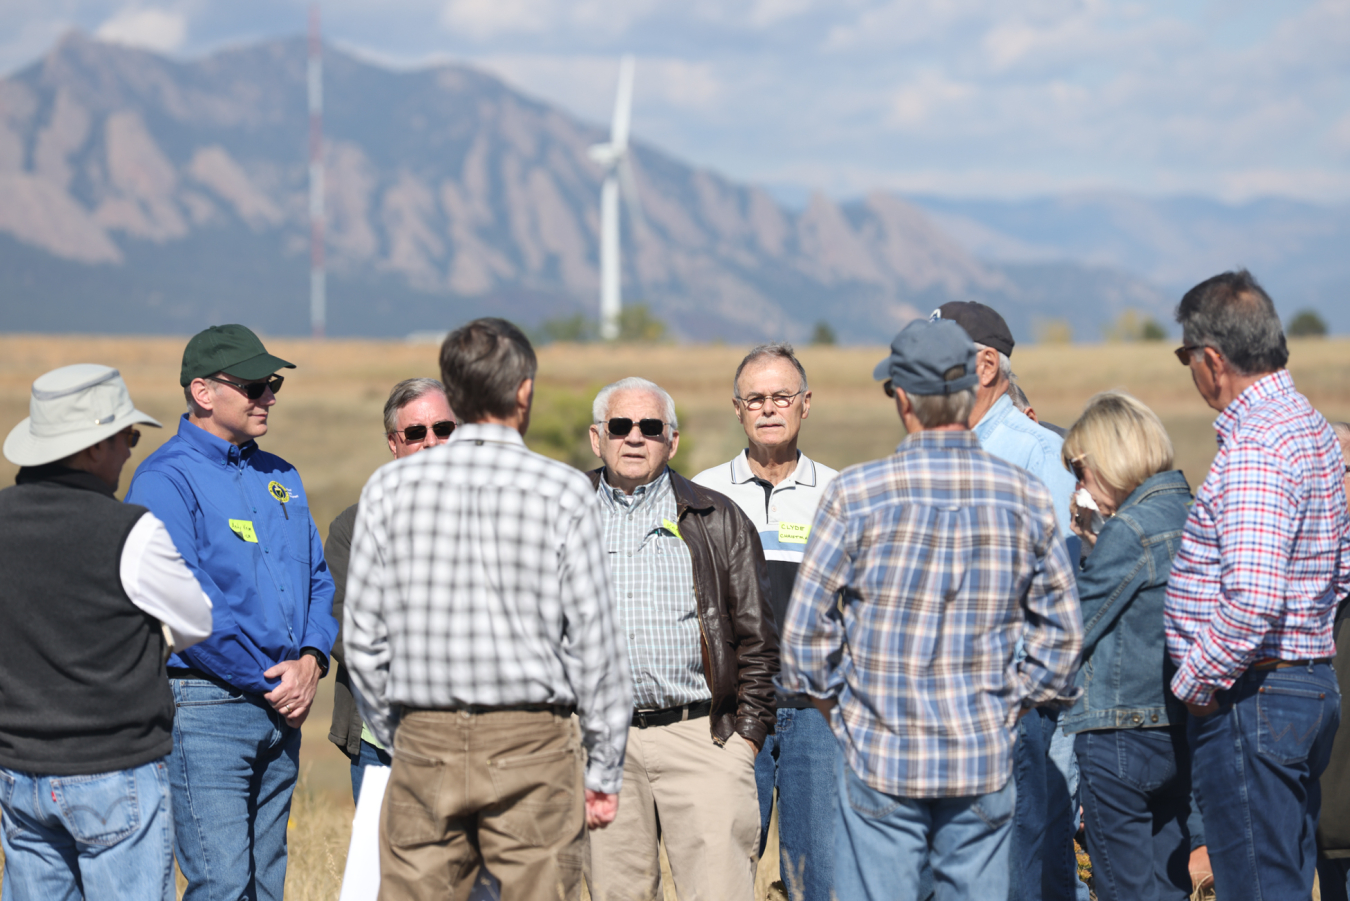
{"x": 109, "y": 835}
{"x": 1256, "y": 762}
{"x": 882, "y": 842}
{"x": 799, "y": 759}
{"x": 369, "y": 756}
{"x": 233, "y": 769}
{"x": 1041, "y": 857}
{"x": 1334, "y": 875}
{"x": 1136, "y": 803}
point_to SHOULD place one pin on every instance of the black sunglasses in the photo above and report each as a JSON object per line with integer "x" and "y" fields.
{"x": 623, "y": 427}
{"x": 254, "y": 390}
{"x": 1184, "y": 352}
{"x": 1076, "y": 464}
{"x": 415, "y": 433}
{"x": 889, "y": 387}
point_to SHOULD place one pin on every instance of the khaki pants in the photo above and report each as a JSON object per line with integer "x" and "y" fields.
{"x": 503, "y": 788}
{"x": 681, "y": 786}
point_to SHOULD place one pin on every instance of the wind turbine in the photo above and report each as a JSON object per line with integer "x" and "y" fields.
{"x": 613, "y": 156}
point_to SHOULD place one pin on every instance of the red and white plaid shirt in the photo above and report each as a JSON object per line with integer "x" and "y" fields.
{"x": 1266, "y": 552}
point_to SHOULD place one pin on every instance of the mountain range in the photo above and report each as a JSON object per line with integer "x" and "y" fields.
{"x": 143, "y": 194}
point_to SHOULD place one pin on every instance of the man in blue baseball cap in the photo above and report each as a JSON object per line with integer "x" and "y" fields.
{"x": 240, "y": 518}
{"x": 922, "y": 573}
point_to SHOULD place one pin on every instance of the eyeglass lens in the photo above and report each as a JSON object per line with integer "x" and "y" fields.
{"x": 254, "y": 390}
{"x": 133, "y": 437}
{"x": 1184, "y": 353}
{"x": 1077, "y": 469}
{"x": 622, "y": 428}
{"x": 415, "y": 433}
{"x": 756, "y": 401}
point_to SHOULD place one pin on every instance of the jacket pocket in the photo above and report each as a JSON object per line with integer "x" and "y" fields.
{"x": 1288, "y": 720}
{"x": 100, "y": 809}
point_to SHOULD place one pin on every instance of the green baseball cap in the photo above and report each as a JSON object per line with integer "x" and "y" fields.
{"x": 232, "y": 349}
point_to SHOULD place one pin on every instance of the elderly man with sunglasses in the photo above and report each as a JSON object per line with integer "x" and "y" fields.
{"x": 692, "y": 593}
{"x": 240, "y": 518}
{"x": 778, "y": 488}
{"x": 417, "y": 416}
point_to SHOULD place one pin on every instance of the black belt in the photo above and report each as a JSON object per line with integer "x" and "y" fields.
{"x": 664, "y": 717}
{"x": 474, "y": 709}
{"x": 1272, "y": 663}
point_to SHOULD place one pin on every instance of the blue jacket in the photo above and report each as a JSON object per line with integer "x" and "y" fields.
{"x": 1122, "y": 585}
{"x": 240, "y": 519}
{"x": 1008, "y": 434}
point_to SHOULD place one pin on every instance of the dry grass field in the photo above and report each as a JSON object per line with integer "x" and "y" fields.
{"x": 327, "y": 423}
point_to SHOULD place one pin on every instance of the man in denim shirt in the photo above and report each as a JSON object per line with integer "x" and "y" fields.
{"x": 1046, "y": 773}
{"x": 240, "y": 518}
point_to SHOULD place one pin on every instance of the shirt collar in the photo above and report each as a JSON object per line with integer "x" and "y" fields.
{"x": 803, "y": 474}
{"x": 651, "y": 492}
{"x": 485, "y": 431}
{"x": 993, "y": 417}
{"x": 945, "y": 440}
{"x": 1269, "y": 387}
{"x": 215, "y": 449}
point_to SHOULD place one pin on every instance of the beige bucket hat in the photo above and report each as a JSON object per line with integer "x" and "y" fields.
{"x": 72, "y": 408}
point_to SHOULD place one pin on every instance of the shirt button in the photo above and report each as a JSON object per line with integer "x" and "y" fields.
{"x": 630, "y": 594}
{"x": 774, "y": 508}
{"x": 630, "y": 553}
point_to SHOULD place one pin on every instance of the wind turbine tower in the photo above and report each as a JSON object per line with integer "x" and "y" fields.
{"x": 318, "y": 299}
{"x": 613, "y": 156}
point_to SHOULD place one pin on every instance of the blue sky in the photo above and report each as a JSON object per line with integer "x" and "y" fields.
{"x": 1228, "y": 99}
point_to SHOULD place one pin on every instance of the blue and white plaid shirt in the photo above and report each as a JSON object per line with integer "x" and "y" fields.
{"x": 654, "y": 584}
{"x": 922, "y": 571}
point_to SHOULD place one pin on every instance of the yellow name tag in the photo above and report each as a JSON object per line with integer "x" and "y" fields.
{"x": 793, "y": 532}
{"x": 244, "y": 529}
{"x": 671, "y": 528}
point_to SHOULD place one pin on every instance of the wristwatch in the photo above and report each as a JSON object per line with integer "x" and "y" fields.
{"x": 319, "y": 657}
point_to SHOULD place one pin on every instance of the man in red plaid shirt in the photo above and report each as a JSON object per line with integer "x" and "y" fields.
{"x": 1264, "y": 558}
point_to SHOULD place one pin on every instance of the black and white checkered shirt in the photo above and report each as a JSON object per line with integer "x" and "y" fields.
{"x": 479, "y": 576}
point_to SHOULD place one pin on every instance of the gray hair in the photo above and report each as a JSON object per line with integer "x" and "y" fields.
{"x": 1018, "y": 396}
{"x": 1234, "y": 315}
{"x": 936, "y": 410}
{"x": 1342, "y": 430}
{"x": 600, "y": 408}
{"x": 404, "y": 393}
{"x": 1005, "y": 373}
{"x": 777, "y": 350}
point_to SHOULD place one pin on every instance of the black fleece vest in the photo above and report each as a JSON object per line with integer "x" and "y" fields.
{"x": 82, "y": 682}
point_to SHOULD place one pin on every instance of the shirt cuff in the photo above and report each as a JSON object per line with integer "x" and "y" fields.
{"x": 602, "y": 777}
{"x": 1189, "y": 690}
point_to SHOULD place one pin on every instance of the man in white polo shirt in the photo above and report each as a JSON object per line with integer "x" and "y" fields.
{"x": 779, "y": 487}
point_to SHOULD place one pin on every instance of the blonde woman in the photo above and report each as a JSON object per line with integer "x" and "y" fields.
{"x": 1130, "y": 732}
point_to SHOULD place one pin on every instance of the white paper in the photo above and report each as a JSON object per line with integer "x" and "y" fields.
{"x": 361, "y": 878}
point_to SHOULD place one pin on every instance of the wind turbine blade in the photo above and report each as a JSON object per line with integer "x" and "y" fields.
{"x": 623, "y": 105}
{"x": 628, "y": 188}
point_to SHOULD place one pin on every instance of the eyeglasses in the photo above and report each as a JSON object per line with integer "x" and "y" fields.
{"x": 1184, "y": 352}
{"x": 415, "y": 433}
{"x": 133, "y": 437}
{"x": 889, "y": 387}
{"x": 756, "y": 401}
{"x": 1079, "y": 471}
{"x": 622, "y": 427}
{"x": 254, "y": 390}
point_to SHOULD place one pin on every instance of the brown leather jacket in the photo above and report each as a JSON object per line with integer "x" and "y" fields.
{"x": 740, "y": 642}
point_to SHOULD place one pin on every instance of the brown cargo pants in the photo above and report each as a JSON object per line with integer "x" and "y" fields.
{"x": 503, "y": 788}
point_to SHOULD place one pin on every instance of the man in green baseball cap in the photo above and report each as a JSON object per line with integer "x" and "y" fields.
{"x": 240, "y": 518}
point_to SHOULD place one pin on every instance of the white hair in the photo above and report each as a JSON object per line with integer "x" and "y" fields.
{"x": 600, "y": 409}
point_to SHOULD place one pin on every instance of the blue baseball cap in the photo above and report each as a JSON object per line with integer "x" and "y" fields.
{"x": 930, "y": 357}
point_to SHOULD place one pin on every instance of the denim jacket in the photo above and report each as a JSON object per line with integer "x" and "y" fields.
{"x": 1122, "y": 585}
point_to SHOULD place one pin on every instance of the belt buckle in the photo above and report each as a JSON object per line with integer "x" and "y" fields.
{"x": 642, "y": 719}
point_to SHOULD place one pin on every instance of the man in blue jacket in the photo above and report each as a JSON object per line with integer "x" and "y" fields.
{"x": 239, "y": 517}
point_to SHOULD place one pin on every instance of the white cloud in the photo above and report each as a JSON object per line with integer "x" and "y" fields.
{"x": 485, "y": 19}
{"x": 160, "y": 30}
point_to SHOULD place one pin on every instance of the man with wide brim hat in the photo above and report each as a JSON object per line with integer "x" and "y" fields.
{"x": 922, "y": 573}
{"x": 93, "y": 594}
{"x": 241, "y": 518}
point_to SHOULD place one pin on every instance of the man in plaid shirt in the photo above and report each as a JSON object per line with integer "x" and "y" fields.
{"x": 921, "y": 573}
{"x": 479, "y": 615}
{"x": 1253, "y": 591}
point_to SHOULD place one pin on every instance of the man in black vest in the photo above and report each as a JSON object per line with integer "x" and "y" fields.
{"x": 93, "y": 597}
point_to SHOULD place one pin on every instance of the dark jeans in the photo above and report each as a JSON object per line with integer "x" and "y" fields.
{"x": 1042, "y": 861}
{"x": 799, "y": 759}
{"x": 1135, "y": 788}
{"x": 1256, "y": 762}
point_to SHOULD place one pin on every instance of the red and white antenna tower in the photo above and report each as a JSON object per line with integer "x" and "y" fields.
{"x": 318, "y": 300}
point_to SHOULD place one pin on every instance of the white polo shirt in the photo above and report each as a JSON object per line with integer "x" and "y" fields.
{"x": 782, "y": 515}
